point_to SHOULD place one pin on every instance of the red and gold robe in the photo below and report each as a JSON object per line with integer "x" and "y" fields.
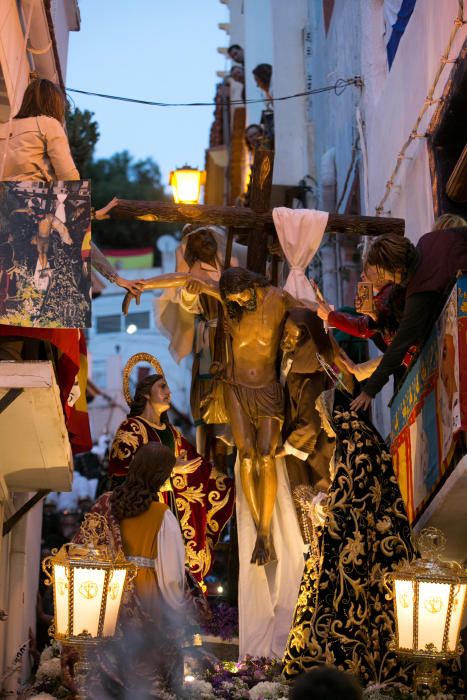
{"x": 204, "y": 497}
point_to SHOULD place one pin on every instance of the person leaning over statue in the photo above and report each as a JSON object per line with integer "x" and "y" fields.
{"x": 428, "y": 272}
{"x": 306, "y": 447}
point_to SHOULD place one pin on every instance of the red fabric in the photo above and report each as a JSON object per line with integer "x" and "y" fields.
{"x": 353, "y": 325}
{"x": 363, "y": 326}
{"x": 205, "y": 498}
{"x": 77, "y": 417}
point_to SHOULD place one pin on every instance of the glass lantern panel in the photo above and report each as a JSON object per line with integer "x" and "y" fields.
{"x": 88, "y": 589}
{"x": 61, "y": 591}
{"x": 186, "y": 185}
{"x": 114, "y": 598}
{"x": 433, "y": 601}
{"x": 404, "y": 592}
{"x": 456, "y": 616}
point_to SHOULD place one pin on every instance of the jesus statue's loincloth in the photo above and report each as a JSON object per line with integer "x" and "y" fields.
{"x": 261, "y": 402}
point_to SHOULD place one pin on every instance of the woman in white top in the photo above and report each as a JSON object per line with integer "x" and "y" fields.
{"x": 34, "y": 146}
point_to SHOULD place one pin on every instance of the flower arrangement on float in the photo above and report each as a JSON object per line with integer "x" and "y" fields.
{"x": 254, "y": 678}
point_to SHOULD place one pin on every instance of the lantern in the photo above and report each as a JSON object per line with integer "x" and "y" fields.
{"x": 186, "y": 183}
{"x": 88, "y": 582}
{"x": 429, "y": 597}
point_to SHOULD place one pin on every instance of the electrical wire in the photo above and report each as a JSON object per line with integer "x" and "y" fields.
{"x": 338, "y": 88}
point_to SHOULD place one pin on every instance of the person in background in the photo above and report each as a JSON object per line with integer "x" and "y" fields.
{"x": 254, "y": 136}
{"x": 326, "y": 683}
{"x": 262, "y": 74}
{"x": 380, "y": 326}
{"x": 449, "y": 221}
{"x": 236, "y": 53}
{"x": 428, "y": 272}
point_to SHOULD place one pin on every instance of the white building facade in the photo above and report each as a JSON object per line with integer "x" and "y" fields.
{"x": 385, "y": 145}
{"x": 33, "y": 38}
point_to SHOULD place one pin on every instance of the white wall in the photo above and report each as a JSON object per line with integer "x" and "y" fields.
{"x": 335, "y": 55}
{"x": 21, "y": 581}
{"x": 65, "y": 17}
{"x": 288, "y": 78}
{"x": 258, "y": 34}
{"x": 13, "y": 60}
{"x": 391, "y": 111}
{"x": 236, "y": 21}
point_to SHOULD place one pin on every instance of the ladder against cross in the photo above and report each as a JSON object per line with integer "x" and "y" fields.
{"x": 256, "y": 220}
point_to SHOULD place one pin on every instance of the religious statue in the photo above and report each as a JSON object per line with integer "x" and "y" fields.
{"x": 255, "y": 313}
{"x": 200, "y": 497}
{"x": 306, "y": 446}
{"x": 190, "y": 320}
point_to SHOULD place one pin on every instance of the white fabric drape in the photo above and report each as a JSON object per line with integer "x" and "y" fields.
{"x": 267, "y": 595}
{"x": 300, "y": 233}
{"x": 170, "y": 562}
{"x": 173, "y": 320}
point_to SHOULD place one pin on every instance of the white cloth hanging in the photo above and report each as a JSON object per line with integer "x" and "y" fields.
{"x": 267, "y": 595}
{"x": 170, "y": 562}
{"x": 300, "y": 232}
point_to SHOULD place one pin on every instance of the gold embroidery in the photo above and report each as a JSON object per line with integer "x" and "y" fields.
{"x": 127, "y": 440}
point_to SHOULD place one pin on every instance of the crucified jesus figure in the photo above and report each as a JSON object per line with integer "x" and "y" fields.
{"x": 255, "y": 315}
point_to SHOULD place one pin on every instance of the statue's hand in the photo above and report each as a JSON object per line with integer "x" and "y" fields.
{"x": 194, "y": 286}
{"x": 323, "y": 310}
{"x": 346, "y": 361}
{"x": 280, "y": 452}
{"x": 127, "y": 300}
{"x": 186, "y": 466}
{"x": 104, "y": 212}
{"x": 135, "y": 287}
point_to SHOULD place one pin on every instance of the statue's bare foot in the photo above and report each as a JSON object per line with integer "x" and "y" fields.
{"x": 261, "y": 553}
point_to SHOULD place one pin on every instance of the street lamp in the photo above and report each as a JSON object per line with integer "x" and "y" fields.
{"x": 88, "y": 582}
{"x": 429, "y": 597}
{"x": 186, "y": 183}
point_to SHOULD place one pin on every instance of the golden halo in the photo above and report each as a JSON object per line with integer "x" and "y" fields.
{"x": 134, "y": 360}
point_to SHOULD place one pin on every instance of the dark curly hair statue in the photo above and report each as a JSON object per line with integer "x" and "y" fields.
{"x": 236, "y": 280}
{"x": 148, "y": 471}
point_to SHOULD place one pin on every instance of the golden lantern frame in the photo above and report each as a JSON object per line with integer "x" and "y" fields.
{"x": 178, "y": 173}
{"x": 425, "y": 571}
{"x": 95, "y": 552}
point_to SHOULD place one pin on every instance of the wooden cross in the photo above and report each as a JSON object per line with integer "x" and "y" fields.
{"x": 256, "y": 219}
